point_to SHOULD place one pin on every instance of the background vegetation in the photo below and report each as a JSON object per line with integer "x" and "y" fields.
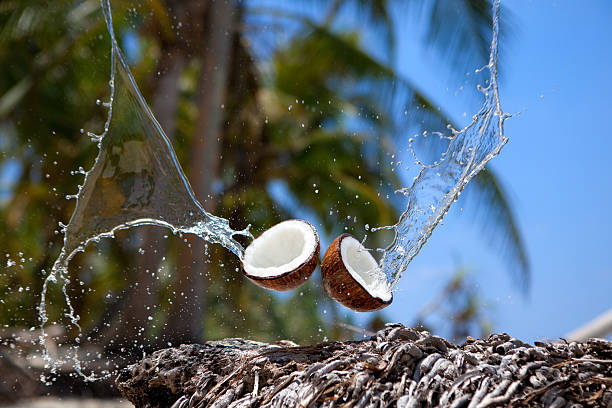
{"x": 266, "y": 104}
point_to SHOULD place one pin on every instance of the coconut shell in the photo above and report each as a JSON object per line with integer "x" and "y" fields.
{"x": 340, "y": 285}
{"x": 290, "y": 279}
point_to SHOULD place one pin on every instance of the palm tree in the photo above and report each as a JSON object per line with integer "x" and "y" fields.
{"x": 315, "y": 113}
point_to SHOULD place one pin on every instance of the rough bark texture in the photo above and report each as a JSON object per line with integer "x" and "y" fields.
{"x": 398, "y": 367}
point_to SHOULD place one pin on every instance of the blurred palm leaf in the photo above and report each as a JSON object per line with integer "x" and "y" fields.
{"x": 359, "y": 83}
{"x": 496, "y": 208}
{"x": 460, "y": 30}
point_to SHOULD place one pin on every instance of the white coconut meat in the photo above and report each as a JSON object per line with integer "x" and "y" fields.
{"x": 364, "y": 269}
{"x": 280, "y": 249}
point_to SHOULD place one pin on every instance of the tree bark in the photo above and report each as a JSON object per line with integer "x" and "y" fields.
{"x": 397, "y": 367}
{"x": 186, "y": 315}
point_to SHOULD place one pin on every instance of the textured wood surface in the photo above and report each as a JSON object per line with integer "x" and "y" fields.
{"x": 398, "y": 367}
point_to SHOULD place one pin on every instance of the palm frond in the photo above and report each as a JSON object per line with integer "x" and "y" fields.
{"x": 344, "y": 68}
{"x": 497, "y": 209}
{"x": 376, "y": 87}
{"x": 377, "y": 17}
{"x": 460, "y": 30}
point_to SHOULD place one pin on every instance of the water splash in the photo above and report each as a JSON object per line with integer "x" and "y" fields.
{"x": 439, "y": 185}
{"x": 135, "y": 180}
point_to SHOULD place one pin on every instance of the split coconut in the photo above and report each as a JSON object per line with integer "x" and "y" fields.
{"x": 352, "y": 277}
{"x": 284, "y": 256}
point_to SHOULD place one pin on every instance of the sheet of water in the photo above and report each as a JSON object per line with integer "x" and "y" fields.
{"x": 135, "y": 180}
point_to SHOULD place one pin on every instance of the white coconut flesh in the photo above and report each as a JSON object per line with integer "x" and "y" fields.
{"x": 364, "y": 269}
{"x": 280, "y": 249}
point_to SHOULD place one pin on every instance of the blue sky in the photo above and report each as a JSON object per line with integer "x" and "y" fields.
{"x": 556, "y": 72}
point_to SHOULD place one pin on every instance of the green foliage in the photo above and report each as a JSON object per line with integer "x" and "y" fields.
{"x": 315, "y": 114}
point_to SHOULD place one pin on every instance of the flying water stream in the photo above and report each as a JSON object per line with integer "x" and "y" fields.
{"x": 136, "y": 180}
{"x": 438, "y": 186}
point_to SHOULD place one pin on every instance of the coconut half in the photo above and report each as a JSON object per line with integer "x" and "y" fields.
{"x": 284, "y": 256}
{"x": 352, "y": 277}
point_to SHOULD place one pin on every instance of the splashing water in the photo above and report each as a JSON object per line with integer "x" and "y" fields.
{"x": 437, "y": 186}
{"x": 135, "y": 180}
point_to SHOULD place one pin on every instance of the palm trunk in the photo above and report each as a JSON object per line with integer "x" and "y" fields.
{"x": 185, "y": 320}
{"x": 141, "y": 299}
